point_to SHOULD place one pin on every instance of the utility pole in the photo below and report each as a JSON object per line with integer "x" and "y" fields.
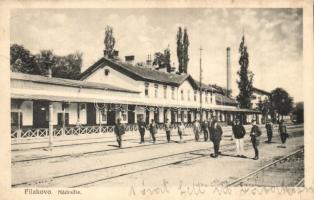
{"x": 201, "y": 71}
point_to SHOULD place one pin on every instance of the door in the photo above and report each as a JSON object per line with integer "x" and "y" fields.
{"x": 131, "y": 114}
{"x": 111, "y": 117}
{"x": 156, "y": 116}
{"x": 147, "y": 117}
{"x": 40, "y": 114}
{"x": 91, "y": 114}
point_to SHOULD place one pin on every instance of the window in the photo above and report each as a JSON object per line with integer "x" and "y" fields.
{"x": 182, "y": 95}
{"x": 195, "y": 93}
{"x": 104, "y": 116}
{"x": 60, "y": 119}
{"x": 189, "y": 95}
{"x": 206, "y": 96}
{"x": 15, "y": 117}
{"x": 107, "y": 71}
{"x": 211, "y": 97}
{"x": 172, "y": 93}
{"x": 165, "y": 92}
{"x": 146, "y": 89}
{"x": 156, "y": 90}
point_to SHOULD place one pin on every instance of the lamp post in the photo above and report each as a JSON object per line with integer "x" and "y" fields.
{"x": 201, "y": 112}
{"x": 50, "y": 108}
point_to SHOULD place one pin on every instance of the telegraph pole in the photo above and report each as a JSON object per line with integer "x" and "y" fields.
{"x": 201, "y": 71}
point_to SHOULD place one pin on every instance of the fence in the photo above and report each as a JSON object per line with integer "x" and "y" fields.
{"x": 34, "y": 133}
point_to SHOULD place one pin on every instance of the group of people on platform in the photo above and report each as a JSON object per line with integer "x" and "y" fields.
{"x": 212, "y": 131}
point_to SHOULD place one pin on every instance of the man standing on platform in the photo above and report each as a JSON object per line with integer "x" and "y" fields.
{"x": 153, "y": 130}
{"x": 269, "y": 130}
{"x": 215, "y": 137}
{"x": 168, "y": 129}
{"x": 119, "y": 130}
{"x": 196, "y": 130}
{"x": 282, "y": 129}
{"x": 141, "y": 128}
{"x": 238, "y": 133}
{"x": 255, "y": 138}
{"x": 205, "y": 129}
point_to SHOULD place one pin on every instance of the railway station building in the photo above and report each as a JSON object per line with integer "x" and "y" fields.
{"x": 112, "y": 89}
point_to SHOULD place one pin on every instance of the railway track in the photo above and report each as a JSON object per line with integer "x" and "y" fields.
{"x": 287, "y": 171}
{"x": 88, "y": 177}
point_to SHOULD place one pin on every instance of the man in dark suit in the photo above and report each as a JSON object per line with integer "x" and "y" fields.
{"x": 238, "y": 133}
{"x": 269, "y": 130}
{"x": 282, "y": 129}
{"x": 215, "y": 137}
{"x": 119, "y": 130}
{"x": 141, "y": 128}
{"x": 255, "y": 138}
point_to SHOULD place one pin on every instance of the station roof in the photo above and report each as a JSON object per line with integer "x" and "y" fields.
{"x": 67, "y": 82}
{"x": 224, "y": 100}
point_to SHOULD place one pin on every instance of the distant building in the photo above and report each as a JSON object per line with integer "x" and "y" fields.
{"x": 259, "y": 95}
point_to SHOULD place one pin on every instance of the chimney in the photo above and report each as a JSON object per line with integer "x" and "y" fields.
{"x": 130, "y": 59}
{"x": 228, "y": 70}
{"x": 149, "y": 60}
{"x": 115, "y": 54}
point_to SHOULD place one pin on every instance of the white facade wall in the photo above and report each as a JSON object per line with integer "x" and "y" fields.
{"x": 113, "y": 78}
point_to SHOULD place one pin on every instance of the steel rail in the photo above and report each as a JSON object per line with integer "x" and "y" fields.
{"x": 262, "y": 168}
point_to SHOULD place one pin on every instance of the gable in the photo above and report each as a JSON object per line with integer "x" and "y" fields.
{"x": 136, "y": 72}
{"x": 108, "y": 75}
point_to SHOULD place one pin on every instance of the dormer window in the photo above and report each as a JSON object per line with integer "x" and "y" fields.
{"x": 107, "y": 71}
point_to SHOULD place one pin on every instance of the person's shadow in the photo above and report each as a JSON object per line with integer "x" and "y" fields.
{"x": 234, "y": 156}
{"x": 111, "y": 145}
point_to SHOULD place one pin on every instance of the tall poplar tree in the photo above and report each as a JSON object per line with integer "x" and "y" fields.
{"x": 186, "y": 44}
{"x": 180, "y": 51}
{"x": 245, "y": 83}
{"x": 109, "y": 41}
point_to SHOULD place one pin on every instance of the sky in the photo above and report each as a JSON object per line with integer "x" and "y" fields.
{"x": 274, "y": 39}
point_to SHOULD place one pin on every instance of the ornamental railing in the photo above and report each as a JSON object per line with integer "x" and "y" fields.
{"x": 77, "y": 130}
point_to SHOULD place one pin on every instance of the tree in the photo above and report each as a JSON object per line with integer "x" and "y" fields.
{"x": 46, "y": 59}
{"x": 22, "y": 60}
{"x": 163, "y": 59}
{"x": 68, "y": 66}
{"x": 281, "y": 102}
{"x": 183, "y": 50}
{"x": 265, "y": 108}
{"x": 109, "y": 41}
{"x": 180, "y": 51}
{"x": 186, "y": 44}
{"x": 245, "y": 83}
{"x": 298, "y": 112}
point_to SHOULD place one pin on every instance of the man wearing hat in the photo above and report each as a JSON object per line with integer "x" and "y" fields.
{"x": 269, "y": 130}
{"x": 238, "y": 133}
{"x": 255, "y": 138}
{"x": 119, "y": 130}
{"x": 282, "y": 129}
{"x": 215, "y": 137}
